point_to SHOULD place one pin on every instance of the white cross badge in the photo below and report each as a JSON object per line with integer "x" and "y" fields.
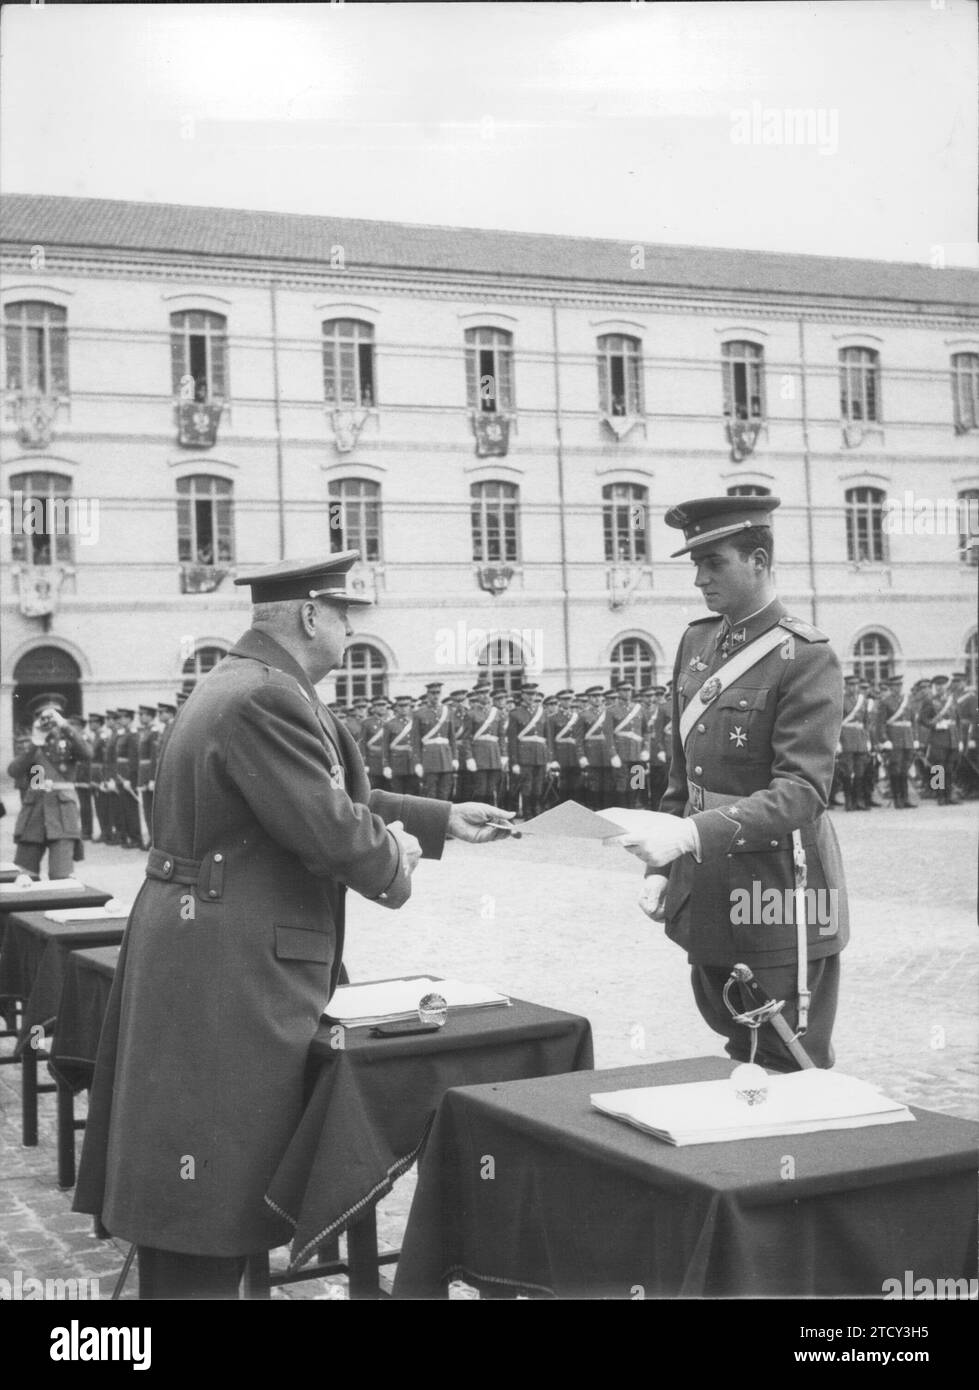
{"x": 739, "y": 738}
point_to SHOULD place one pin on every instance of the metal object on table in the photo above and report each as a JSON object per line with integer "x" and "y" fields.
{"x": 763, "y": 1010}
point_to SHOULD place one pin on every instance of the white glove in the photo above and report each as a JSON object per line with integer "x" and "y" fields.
{"x": 661, "y": 757}
{"x": 38, "y": 736}
{"x": 515, "y": 769}
{"x": 645, "y": 755}
{"x": 554, "y": 767}
{"x": 504, "y": 762}
{"x": 615, "y": 760}
{"x": 652, "y": 899}
{"x": 388, "y": 773}
{"x": 666, "y": 839}
{"x": 887, "y": 745}
{"x": 419, "y": 771}
{"x": 470, "y": 764}
{"x": 455, "y": 764}
{"x": 582, "y": 762}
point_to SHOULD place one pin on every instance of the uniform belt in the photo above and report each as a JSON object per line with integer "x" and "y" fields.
{"x": 898, "y": 723}
{"x": 531, "y": 738}
{"x": 207, "y": 874}
{"x": 427, "y": 742}
{"x": 486, "y": 738}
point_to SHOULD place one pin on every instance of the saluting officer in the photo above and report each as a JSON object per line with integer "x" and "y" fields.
{"x": 894, "y": 737}
{"x": 83, "y": 779}
{"x": 756, "y": 717}
{"x": 530, "y": 750}
{"x": 44, "y": 773}
{"x": 433, "y": 744}
{"x": 396, "y": 751}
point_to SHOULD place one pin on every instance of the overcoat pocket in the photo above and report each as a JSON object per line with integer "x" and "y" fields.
{"x": 299, "y": 943}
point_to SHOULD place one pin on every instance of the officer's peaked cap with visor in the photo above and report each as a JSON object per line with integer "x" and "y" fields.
{"x": 327, "y": 577}
{"x": 709, "y": 519}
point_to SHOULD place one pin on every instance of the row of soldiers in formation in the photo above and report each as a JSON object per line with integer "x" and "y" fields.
{"x": 613, "y": 747}
{"x": 116, "y": 777}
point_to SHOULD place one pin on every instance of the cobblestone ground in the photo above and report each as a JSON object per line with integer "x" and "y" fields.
{"x": 556, "y": 922}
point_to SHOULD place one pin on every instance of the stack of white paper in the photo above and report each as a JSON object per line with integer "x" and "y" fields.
{"x": 389, "y": 1001}
{"x": 45, "y": 885}
{"x": 109, "y": 912}
{"x": 709, "y": 1112}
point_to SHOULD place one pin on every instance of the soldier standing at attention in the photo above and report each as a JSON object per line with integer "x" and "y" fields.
{"x": 530, "y": 750}
{"x": 939, "y": 716}
{"x": 372, "y": 738}
{"x": 968, "y": 708}
{"x": 458, "y": 702}
{"x": 147, "y": 738}
{"x": 127, "y": 772}
{"x": 96, "y": 737}
{"x": 112, "y": 806}
{"x": 854, "y": 745}
{"x": 433, "y": 745}
{"x": 396, "y": 749}
{"x": 83, "y": 779}
{"x": 479, "y": 746}
{"x": 628, "y": 777}
{"x": 756, "y": 718}
{"x": 597, "y": 738}
{"x": 657, "y": 743}
{"x": 895, "y": 739}
{"x": 567, "y": 735}
{"x": 44, "y": 773}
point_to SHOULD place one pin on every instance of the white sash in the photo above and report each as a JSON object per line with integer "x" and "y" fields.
{"x": 532, "y": 724}
{"x": 481, "y": 731}
{"x": 399, "y": 739}
{"x": 562, "y": 737}
{"x": 620, "y": 728}
{"x": 428, "y": 738}
{"x": 594, "y": 732}
{"x": 748, "y": 656}
{"x": 851, "y": 717}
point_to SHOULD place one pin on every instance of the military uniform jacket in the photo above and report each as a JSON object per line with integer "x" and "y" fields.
{"x": 527, "y": 735}
{"x": 659, "y": 735}
{"x": 127, "y": 757}
{"x": 480, "y": 739}
{"x": 96, "y": 767}
{"x": 146, "y": 744}
{"x": 262, "y": 809}
{"x": 49, "y": 812}
{"x": 940, "y": 719}
{"x": 597, "y": 738}
{"x": 627, "y": 733}
{"x": 567, "y": 735}
{"x": 396, "y": 746}
{"x": 854, "y": 736}
{"x": 370, "y": 744}
{"x": 433, "y": 738}
{"x": 894, "y": 721}
{"x": 764, "y": 750}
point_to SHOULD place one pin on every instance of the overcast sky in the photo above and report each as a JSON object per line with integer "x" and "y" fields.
{"x": 662, "y": 122}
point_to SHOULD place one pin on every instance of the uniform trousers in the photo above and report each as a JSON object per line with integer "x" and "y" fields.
{"x": 486, "y": 784}
{"x": 85, "y": 809}
{"x": 61, "y": 856}
{"x": 404, "y": 784}
{"x": 437, "y": 785}
{"x": 164, "y": 1274}
{"x": 778, "y": 982}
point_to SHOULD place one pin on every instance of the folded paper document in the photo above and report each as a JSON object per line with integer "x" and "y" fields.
{"x": 573, "y": 821}
{"x": 709, "y": 1112}
{"x": 390, "y": 1001}
{"x": 109, "y": 912}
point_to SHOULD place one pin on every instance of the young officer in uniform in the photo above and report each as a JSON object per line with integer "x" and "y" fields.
{"x": 597, "y": 740}
{"x": 895, "y": 739}
{"x": 263, "y": 818}
{"x": 480, "y": 746}
{"x": 567, "y": 735}
{"x": 96, "y": 737}
{"x": 147, "y": 737}
{"x": 530, "y": 750}
{"x": 44, "y": 773}
{"x": 433, "y": 743}
{"x": 83, "y": 779}
{"x": 396, "y": 749}
{"x": 756, "y": 717}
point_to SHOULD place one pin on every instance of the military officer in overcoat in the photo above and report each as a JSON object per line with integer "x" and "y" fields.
{"x": 262, "y": 819}
{"x": 756, "y": 716}
{"x": 44, "y": 773}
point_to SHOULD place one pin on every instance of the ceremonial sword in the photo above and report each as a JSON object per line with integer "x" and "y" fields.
{"x": 764, "y": 1010}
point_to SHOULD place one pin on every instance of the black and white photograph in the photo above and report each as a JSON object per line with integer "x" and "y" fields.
{"x": 489, "y": 538}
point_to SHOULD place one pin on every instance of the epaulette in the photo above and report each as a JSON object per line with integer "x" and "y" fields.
{"x": 802, "y": 629}
{"x": 709, "y": 618}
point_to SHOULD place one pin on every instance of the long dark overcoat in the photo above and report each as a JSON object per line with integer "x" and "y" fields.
{"x": 232, "y": 951}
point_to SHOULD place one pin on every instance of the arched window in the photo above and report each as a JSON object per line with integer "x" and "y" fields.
{"x": 489, "y": 369}
{"x": 619, "y": 375}
{"x": 859, "y": 385}
{"x": 503, "y": 663}
{"x": 971, "y": 660}
{"x": 355, "y": 517}
{"x": 198, "y": 355}
{"x": 965, "y": 391}
{"x": 749, "y": 490}
{"x": 744, "y": 382}
{"x": 41, "y": 519}
{"x": 969, "y": 526}
{"x": 633, "y": 661}
{"x": 493, "y": 512}
{"x": 205, "y": 521}
{"x": 197, "y": 666}
{"x": 348, "y": 363}
{"x": 873, "y": 658}
{"x": 44, "y": 671}
{"x": 364, "y": 672}
{"x": 865, "y": 524}
{"x": 36, "y": 342}
{"x": 625, "y": 513}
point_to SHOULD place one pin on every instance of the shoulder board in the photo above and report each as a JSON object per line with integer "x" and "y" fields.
{"x": 805, "y": 630}
{"x": 710, "y": 618}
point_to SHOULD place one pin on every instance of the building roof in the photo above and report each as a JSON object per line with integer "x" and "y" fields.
{"x": 103, "y": 224}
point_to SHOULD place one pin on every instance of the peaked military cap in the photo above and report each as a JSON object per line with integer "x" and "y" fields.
{"x": 126, "y": 713}
{"x": 594, "y": 690}
{"x": 434, "y": 685}
{"x": 181, "y": 697}
{"x": 111, "y": 713}
{"x": 51, "y": 700}
{"x": 708, "y": 519}
{"x": 99, "y": 717}
{"x": 147, "y": 709}
{"x": 939, "y": 680}
{"x": 165, "y": 708}
{"x": 328, "y": 577}
{"x": 78, "y": 720}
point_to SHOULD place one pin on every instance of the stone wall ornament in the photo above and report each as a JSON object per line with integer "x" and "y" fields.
{"x": 34, "y": 415}
{"x": 197, "y": 424}
{"x": 347, "y": 425}
{"x": 494, "y": 579}
{"x": 620, "y": 425}
{"x": 623, "y": 580}
{"x": 742, "y": 436}
{"x": 492, "y": 433}
{"x": 39, "y": 588}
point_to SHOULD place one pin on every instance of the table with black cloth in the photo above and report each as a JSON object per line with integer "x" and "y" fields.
{"x": 581, "y": 1205}
{"x": 75, "y": 1044}
{"x": 371, "y": 1102}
